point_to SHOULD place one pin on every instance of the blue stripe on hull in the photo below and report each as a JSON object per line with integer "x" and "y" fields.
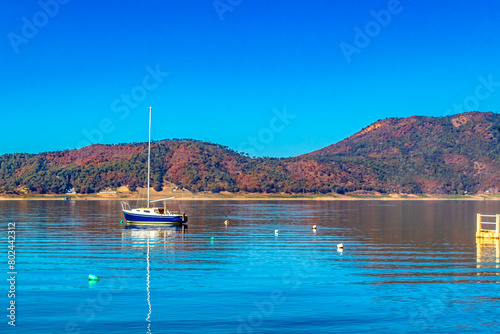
{"x": 133, "y": 218}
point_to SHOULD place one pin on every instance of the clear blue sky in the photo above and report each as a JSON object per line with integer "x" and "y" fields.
{"x": 85, "y": 68}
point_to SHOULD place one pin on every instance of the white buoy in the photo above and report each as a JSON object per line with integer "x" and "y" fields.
{"x": 314, "y": 227}
{"x": 275, "y": 231}
{"x": 226, "y": 222}
{"x": 340, "y": 247}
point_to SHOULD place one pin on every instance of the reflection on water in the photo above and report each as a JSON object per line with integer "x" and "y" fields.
{"x": 149, "y": 294}
{"x": 139, "y": 234}
{"x": 488, "y": 255}
{"x": 162, "y": 235}
{"x": 406, "y": 267}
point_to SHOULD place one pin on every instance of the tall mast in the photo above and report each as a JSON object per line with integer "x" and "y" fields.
{"x": 149, "y": 151}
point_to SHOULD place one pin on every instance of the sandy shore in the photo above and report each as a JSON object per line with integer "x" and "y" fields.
{"x": 170, "y": 190}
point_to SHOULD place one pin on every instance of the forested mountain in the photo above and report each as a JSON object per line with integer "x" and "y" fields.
{"x": 444, "y": 155}
{"x": 427, "y": 154}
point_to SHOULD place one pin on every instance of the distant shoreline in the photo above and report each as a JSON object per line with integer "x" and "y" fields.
{"x": 255, "y": 197}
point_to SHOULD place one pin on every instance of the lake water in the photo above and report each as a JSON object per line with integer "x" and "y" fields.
{"x": 407, "y": 267}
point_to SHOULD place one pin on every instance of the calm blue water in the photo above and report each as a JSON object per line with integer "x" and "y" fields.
{"x": 407, "y": 267}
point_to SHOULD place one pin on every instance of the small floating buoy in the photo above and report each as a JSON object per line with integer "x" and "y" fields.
{"x": 226, "y": 222}
{"x": 93, "y": 278}
{"x": 212, "y": 238}
{"x": 121, "y": 222}
{"x": 314, "y": 227}
{"x": 340, "y": 246}
{"x": 275, "y": 231}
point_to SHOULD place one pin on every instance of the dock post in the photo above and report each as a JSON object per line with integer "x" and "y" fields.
{"x": 478, "y": 231}
{"x": 498, "y": 226}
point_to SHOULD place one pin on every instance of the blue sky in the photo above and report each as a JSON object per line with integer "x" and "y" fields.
{"x": 273, "y": 78}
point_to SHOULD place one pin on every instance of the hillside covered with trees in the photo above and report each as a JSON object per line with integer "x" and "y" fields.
{"x": 445, "y": 155}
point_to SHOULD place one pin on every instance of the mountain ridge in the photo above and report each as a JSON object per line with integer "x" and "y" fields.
{"x": 418, "y": 154}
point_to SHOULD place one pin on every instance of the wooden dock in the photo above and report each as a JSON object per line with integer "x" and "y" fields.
{"x": 488, "y": 232}
{"x": 488, "y": 256}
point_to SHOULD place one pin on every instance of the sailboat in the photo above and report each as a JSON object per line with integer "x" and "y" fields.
{"x": 152, "y": 215}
